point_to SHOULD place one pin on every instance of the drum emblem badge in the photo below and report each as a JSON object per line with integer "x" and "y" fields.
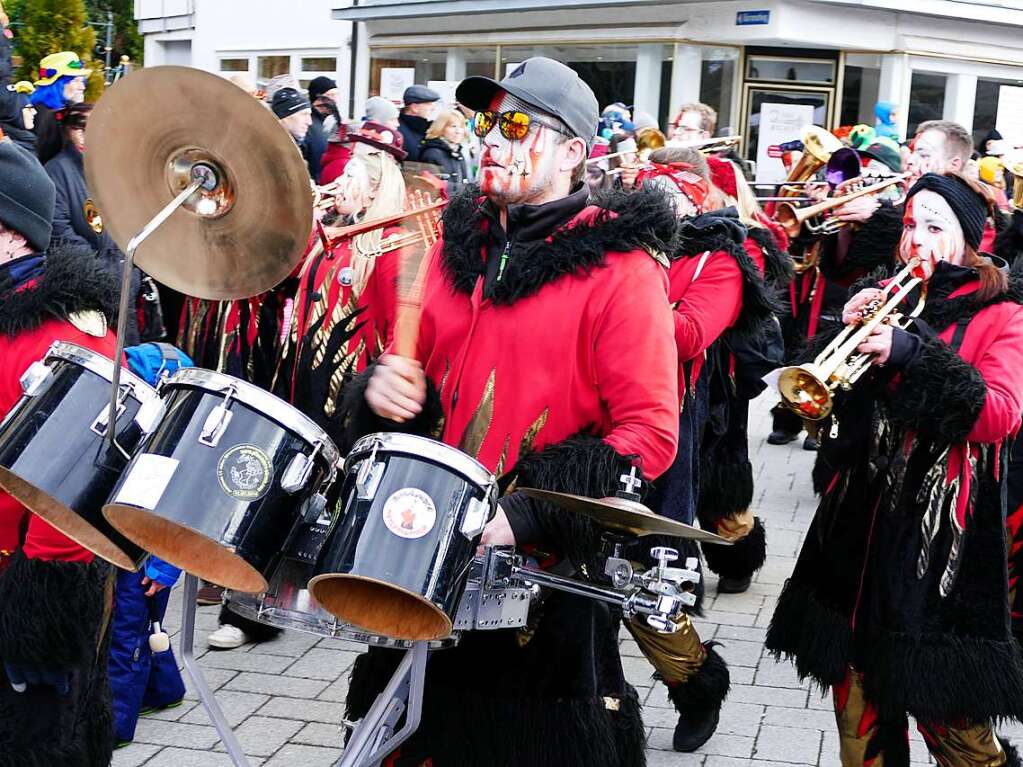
{"x": 244, "y": 472}
{"x": 410, "y": 513}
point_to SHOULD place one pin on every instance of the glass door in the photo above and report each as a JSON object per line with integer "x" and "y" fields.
{"x": 774, "y": 114}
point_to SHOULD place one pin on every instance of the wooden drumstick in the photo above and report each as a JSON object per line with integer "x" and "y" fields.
{"x": 415, "y": 265}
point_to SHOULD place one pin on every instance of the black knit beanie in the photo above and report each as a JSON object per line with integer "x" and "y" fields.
{"x": 288, "y": 101}
{"x": 26, "y": 195}
{"x": 968, "y": 206}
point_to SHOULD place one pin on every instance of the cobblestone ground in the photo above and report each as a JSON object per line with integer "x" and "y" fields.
{"x": 284, "y": 697}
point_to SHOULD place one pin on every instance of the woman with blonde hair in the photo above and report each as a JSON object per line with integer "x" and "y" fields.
{"x": 444, "y": 148}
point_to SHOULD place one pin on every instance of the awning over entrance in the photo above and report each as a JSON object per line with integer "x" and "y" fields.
{"x": 395, "y": 9}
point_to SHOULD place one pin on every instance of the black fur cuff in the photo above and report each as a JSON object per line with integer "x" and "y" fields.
{"x": 742, "y": 558}
{"x": 50, "y": 612}
{"x": 940, "y": 394}
{"x": 704, "y": 690}
{"x": 876, "y": 240}
{"x": 359, "y": 420}
{"x": 583, "y": 465}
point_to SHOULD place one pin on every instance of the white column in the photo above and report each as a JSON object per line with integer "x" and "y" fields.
{"x": 647, "y": 93}
{"x": 361, "y": 72}
{"x": 454, "y": 69}
{"x": 895, "y": 79}
{"x": 960, "y": 95}
{"x": 686, "y": 72}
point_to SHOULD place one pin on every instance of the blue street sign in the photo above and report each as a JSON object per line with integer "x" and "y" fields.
{"x": 752, "y": 18}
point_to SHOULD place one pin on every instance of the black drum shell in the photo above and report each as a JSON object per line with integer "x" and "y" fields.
{"x": 46, "y": 442}
{"x": 432, "y": 567}
{"x": 195, "y": 499}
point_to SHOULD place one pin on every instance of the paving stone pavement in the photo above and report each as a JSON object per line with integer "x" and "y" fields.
{"x": 284, "y": 697}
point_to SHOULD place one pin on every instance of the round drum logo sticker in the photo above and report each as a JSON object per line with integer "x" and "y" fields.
{"x": 410, "y": 513}
{"x": 244, "y": 472}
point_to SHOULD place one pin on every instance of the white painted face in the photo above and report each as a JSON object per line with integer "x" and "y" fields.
{"x": 929, "y": 155}
{"x": 518, "y": 172}
{"x": 356, "y": 194}
{"x": 930, "y": 231}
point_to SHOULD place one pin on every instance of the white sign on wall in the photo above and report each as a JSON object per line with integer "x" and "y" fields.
{"x": 778, "y": 123}
{"x": 394, "y": 81}
{"x": 445, "y": 89}
{"x": 1009, "y": 121}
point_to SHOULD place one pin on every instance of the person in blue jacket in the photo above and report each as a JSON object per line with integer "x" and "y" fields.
{"x": 143, "y": 680}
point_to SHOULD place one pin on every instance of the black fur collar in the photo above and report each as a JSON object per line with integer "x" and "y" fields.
{"x": 72, "y": 281}
{"x": 778, "y": 268}
{"x": 627, "y": 221}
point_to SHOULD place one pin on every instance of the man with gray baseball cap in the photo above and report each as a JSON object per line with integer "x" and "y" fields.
{"x": 546, "y": 351}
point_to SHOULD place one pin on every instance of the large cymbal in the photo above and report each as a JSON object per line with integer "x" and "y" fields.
{"x": 144, "y": 137}
{"x": 624, "y": 516}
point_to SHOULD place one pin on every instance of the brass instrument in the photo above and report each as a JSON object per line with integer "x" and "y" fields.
{"x": 424, "y": 215}
{"x": 709, "y": 145}
{"x": 92, "y": 216}
{"x": 808, "y": 390}
{"x": 649, "y": 140}
{"x": 818, "y": 146}
{"x": 793, "y": 220}
{"x": 1015, "y": 167}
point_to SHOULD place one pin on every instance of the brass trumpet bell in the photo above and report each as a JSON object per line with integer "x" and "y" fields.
{"x": 818, "y": 146}
{"x": 804, "y": 392}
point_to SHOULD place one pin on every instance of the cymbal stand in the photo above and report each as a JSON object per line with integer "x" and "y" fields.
{"x": 203, "y": 177}
{"x": 202, "y": 687}
{"x": 374, "y": 737}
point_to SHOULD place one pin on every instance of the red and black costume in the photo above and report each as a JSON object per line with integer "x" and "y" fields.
{"x": 899, "y": 598}
{"x": 557, "y": 373}
{"x": 55, "y": 597}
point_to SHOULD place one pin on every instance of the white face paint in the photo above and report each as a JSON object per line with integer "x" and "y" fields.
{"x": 930, "y": 232}
{"x": 355, "y": 194}
{"x": 929, "y": 155}
{"x": 518, "y": 172}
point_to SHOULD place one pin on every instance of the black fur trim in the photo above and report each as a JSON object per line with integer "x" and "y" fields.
{"x": 582, "y": 464}
{"x": 816, "y": 638}
{"x": 983, "y": 679}
{"x": 640, "y": 220}
{"x": 50, "y": 611}
{"x": 505, "y": 732}
{"x": 940, "y": 394}
{"x": 72, "y": 281}
{"x": 1009, "y": 241}
{"x": 358, "y": 420}
{"x": 725, "y": 488}
{"x": 742, "y": 558}
{"x": 704, "y": 690}
{"x": 876, "y": 241}
{"x": 779, "y": 270}
{"x": 1011, "y": 754}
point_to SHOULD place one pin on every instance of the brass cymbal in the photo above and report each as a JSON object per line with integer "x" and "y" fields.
{"x": 239, "y": 238}
{"x": 624, "y": 516}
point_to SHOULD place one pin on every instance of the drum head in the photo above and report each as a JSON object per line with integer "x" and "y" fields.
{"x": 185, "y": 548}
{"x": 67, "y": 521}
{"x": 380, "y": 607}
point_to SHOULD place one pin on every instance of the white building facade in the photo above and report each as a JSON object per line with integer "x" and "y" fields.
{"x": 957, "y": 59}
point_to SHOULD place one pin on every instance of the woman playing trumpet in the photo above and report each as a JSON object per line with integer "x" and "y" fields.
{"x": 899, "y": 600}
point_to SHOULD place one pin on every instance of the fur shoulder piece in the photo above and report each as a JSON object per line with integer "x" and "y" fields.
{"x": 641, "y": 220}
{"x": 877, "y": 240}
{"x": 718, "y": 230}
{"x": 72, "y": 281}
{"x": 778, "y": 268}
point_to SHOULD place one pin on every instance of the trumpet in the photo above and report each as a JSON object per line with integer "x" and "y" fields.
{"x": 793, "y": 220}
{"x": 709, "y": 145}
{"x": 808, "y": 390}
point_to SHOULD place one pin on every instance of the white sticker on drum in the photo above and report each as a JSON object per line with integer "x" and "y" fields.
{"x": 410, "y": 513}
{"x": 146, "y": 481}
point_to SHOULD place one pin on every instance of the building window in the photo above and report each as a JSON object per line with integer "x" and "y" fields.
{"x": 926, "y": 99}
{"x": 234, "y": 65}
{"x": 394, "y": 69}
{"x": 985, "y": 110}
{"x": 860, "y": 89}
{"x": 790, "y": 69}
{"x": 319, "y": 64}
{"x": 272, "y": 66}
{"x": 717, "y": 86}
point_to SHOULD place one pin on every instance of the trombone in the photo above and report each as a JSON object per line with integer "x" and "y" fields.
{"x": 709, "y": 145}
{"x": 793, "y": 220}
{"x": 808, "y": 390}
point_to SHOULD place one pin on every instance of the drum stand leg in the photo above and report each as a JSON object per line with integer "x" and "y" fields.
{"x": 371, "y": 739}
{"x": 202, "y": 687}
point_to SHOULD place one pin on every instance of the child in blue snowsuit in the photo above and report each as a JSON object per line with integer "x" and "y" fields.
{"x": 140, "y": 679}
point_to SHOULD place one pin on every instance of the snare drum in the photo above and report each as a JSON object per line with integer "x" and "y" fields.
{"x": 55, "y": 456}
{"x": 287, "y": 603}
{"x": 224, "y": 479}
{"x": 414, "y": 511}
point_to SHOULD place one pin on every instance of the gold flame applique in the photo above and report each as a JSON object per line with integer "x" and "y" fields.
{"x": 478, "y": 426}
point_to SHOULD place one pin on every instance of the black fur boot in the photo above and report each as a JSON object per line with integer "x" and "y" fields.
{"x": 698, "y": 702}
{"x": 736, "y": 564}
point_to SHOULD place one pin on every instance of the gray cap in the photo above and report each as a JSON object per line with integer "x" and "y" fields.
{"x": 380, "y": 110}
{"x": 419, "y": 94}
{"x": 545, "y": 84}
